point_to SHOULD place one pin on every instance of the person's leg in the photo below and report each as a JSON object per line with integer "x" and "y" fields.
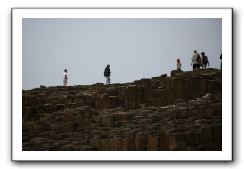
{"x": 108, "y": 80}
{"x": 65, "y": 82}
{"x": 198, "y": 66}
{"x": 204, "y": 66}
{"x": 194, "y": 66}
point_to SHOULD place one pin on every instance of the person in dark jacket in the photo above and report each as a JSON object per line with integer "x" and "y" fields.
{"x": 107, "y": 74}
{"x": 205, "y": 61}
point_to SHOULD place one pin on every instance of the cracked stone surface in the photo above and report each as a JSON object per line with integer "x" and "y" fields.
{"x": 182, "y": 112}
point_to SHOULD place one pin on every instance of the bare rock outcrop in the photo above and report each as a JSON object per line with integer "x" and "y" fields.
{"x": 182, "y": 112}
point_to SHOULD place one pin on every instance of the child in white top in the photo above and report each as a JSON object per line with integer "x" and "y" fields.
{"x": 178, "y": 64}
{"x": 65, "y": 77}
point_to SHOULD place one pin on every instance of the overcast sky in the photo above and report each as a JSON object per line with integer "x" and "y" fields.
{"x": 134, "y": 48}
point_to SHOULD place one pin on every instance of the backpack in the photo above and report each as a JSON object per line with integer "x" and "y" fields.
{"x": 106, "y": 72}
{"x": 198, "y": 58}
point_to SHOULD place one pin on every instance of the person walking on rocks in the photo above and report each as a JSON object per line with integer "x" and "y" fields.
{"x": 107, "y": 74}
{"x": 196, "y": 60}
{"x": 65, "y": 80}
{"x": 205, "y": 61}
{"x": 178, "y": 64}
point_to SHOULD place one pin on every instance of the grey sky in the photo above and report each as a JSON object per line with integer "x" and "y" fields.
{"x": 135, "y": 48}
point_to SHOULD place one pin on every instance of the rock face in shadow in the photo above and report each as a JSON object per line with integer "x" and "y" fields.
{"x": 178, "y": 113}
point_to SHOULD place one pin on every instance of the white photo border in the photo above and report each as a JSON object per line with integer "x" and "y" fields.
{"x": 19, "y": 13}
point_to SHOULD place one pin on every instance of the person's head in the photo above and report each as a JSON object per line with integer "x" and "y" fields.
{"x": 202, "y": 53}
{"x": 195, "y": 51}
{"x": 65, "y": 70}
{"x": 108, "y": 65}
{"x": 178, "y": 60}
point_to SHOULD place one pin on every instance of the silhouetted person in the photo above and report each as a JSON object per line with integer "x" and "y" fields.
{"x": 65, "y": 77}
{"x": 205, "y": 61}
{"x": 195, "y": 60}
{"x": 107, "y": 74}
{"x": 221, "y": 61}
{"x": 178, "y": 64}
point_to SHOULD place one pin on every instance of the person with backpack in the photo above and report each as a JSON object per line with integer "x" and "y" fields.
{"x": 196, "y": 60}
{"x": 65, "y": 80}
{"x": 204, "y": 60}
{"x": 107, "y": 74}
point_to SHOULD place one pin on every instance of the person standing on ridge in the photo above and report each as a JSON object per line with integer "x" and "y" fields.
{"x": 178, "y": 64}
{"x": 107, "y": 74}
{"x": 221, "y": 61}
{"x": 65, "y": 80}
{"x": 205, "y": 61}
{"x": 196, "y": 60}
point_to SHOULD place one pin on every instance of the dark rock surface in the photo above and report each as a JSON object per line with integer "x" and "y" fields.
{"x": 182, "y": 112}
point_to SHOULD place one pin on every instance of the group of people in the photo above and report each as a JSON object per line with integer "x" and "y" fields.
{"x": 197, "y": 61}
{"x": 107, "y": 74}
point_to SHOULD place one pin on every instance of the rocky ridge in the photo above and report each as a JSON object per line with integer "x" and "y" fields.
{"x": 178, "y": 113}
